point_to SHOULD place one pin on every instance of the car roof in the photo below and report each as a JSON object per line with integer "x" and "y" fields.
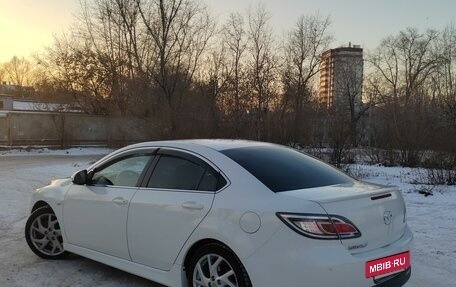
{"x": 216, "y": 144}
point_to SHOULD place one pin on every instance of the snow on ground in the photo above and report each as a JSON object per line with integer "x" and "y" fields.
{"x": 432, "y": 219}
{"x": 19, "y": 267}
{"x": 25, "y": 151}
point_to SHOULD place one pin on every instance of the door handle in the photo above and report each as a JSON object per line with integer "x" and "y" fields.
{"x": 192, "y": 205}
{"x": 120, "y": 201}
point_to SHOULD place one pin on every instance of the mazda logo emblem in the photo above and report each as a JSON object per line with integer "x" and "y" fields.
{"x": 387, "y": 217}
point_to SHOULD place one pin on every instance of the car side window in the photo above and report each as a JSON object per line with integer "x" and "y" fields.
{"x": 211, "y": 181}
{"x": 176, "y": 173}
{"x": 123, "y": 172}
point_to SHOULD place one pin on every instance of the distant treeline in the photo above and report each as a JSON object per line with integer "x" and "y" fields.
{"x": 173, "y": 63}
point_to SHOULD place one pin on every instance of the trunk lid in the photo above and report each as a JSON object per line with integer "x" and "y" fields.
{"x": 377, "y": 211}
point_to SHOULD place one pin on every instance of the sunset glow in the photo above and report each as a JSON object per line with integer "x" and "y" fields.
{"x": 27, "y": 26}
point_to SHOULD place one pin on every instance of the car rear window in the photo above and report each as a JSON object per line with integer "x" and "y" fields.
{"x": 283, "y": 169}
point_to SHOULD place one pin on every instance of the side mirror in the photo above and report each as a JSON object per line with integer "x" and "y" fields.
{"x": 80, "y": 178}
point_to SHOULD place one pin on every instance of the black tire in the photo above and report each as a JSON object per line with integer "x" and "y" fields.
{"x": 38, "y": 230}
{"x": 241, "y": 278}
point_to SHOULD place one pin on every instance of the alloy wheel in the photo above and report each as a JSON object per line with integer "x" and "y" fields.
{"x": 213, "y": 270}
{"x": 46, "y": 236}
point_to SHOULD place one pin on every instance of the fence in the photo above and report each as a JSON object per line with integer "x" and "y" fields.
{"x": 70, "y": 129}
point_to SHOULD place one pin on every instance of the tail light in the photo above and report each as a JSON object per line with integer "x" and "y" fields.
{"x": 320, "y": 226}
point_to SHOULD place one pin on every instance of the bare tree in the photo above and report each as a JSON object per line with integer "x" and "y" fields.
{"x": 386, "y": 64}
{"x": 214, "y": 85}
{"x": 446, "y": 79}
{"x": 95, "y": 61}
{"x": 443, "y": 84}
{"x": 442, "y": 90}
{"x": 405, "y": 63}
{"x": 19, "y": 71}
{"x": 159, "y": 59}
{"x": 419, "y": 60}
{"x": 179, "y": 31}
{"x": 303, "y": 49}
{"x": 263, "y": 65}
{"x": 2, "y": 74}
{"x": 75, "y": 68}
{"x": 109, "y": 30}
{"x": 235, "y": 40}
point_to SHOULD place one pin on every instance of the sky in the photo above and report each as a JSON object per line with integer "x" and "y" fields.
{"x": 27, "y": 26}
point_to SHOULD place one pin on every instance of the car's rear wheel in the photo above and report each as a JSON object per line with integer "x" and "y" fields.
{"x": 214, "y": 265}
{"x": 43, "y": 234}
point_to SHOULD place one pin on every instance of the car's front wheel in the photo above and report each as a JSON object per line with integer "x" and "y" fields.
{"x": 43, "y": 234}
{"x": 214, "y": 265}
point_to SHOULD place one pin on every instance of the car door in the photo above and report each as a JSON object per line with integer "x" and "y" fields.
{"x": 164, "y": 213}
{"x": 95, "y": 215}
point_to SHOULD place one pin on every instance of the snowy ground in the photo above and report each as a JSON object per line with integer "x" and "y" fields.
{"x": 432, "y": 219}
{"x": 19, "y": 267}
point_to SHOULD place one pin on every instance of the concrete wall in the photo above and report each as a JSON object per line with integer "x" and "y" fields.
{"x": 66, "y": 129}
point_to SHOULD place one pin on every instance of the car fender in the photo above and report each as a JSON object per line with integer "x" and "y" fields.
{"x": 53, "y": 195}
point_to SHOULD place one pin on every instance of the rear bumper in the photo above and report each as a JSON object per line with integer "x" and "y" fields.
{"x": 396, "y": 280}
{"x": 289, "y": 259}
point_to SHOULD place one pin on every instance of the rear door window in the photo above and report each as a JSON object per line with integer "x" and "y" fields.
{"x": 174, "y": 172}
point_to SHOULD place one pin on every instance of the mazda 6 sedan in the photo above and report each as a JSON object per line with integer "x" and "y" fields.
{"x": 225, "y": 213}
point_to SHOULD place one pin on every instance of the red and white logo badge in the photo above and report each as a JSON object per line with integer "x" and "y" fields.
{"x": 387, "y": 264}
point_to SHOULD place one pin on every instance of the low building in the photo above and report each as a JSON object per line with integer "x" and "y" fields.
{"x": 6, "y": 103}
{"x": 9, "y": 103}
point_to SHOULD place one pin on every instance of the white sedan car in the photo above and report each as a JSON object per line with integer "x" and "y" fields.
{"x": 225, "y": 213}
